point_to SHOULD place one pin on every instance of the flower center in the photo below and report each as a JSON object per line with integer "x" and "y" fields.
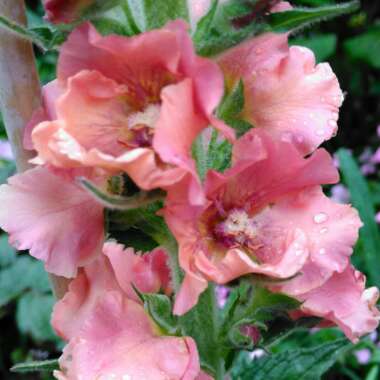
{"x": 238, "y": 230}
{"x": 140, "y": 128}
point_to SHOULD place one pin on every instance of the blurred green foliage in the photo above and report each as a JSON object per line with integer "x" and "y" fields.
{"x": 352, "y": 46}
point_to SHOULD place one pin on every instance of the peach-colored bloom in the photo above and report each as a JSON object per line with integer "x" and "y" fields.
{"x": 45, "y": 211}
{"x": 117, "y": 269}
{"x": 344, "y": 300}
{"x": 286, "y": 93}
{"x": 265, "y": 215}
{"x": 130, "y": 106}
{"x": 110, "y": 334}
{"x": 65, "y": 11}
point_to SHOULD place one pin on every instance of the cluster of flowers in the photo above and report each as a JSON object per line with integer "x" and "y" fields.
{"x": 135, "y": 105}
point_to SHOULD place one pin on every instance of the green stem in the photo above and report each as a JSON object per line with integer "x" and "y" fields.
{"x": 171, "y": 246}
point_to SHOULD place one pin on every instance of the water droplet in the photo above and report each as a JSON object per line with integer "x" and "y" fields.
{"x": 332, "y": 123}
{"x": 323, "y": 230}
{"x": 322, "y": 251}
{"x": 126, "y": 377}
{"x": 320, "y": 218}
{"x": 335, "y": 115}
{"x": 311, "y": 115}
{"x": 320, "y": 132}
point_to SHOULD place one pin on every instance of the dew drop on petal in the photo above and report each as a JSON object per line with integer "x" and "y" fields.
{"x": 323, "y": 230}
{"x": 320, "y": 218}
{"x": 332, "y": 123}
{"x": 320, "y": 132}
{"x": 322, "y": 251}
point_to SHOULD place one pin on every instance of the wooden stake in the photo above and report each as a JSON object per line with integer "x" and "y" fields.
{"x": 20, "y": 95}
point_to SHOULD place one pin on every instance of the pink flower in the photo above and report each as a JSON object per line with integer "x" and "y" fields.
{"x": 286, "y": 93}
{"x": 110, "y": 334}
{"x": 65, "y": 11}
{"x": 117, "y": 269}
{"x": 344, "y": 300}
{"x": 129, "y": 106}
{"x": 265, "y": 215}
{"x": 45, "y": 211}
{"x": 120, "y": 341}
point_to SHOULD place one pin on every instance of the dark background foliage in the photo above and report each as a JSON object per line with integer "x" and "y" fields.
{"x": 352, "y": 46}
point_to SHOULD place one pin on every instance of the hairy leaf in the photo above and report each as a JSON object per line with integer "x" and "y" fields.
{"x": 299, "y": 18}
{"x": 152, "y": 14}
{"x": 299, "y": 364}
{"x": 37, "y": 366}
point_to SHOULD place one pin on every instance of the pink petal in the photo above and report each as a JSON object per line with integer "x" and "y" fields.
{"x": 274, "y": 169}
{"x": 278, "y": 188}
{"x": 207, "y": 78}
{"x": 50, "y": 94}
{"x": 285, "y": 92}
{"x": 149, "y": 273}
{"x": 71, "y": 312}
{"x": 331, "y": 229}
{"x": 64, "y": 11}
{"x": 48, "y": 213}
{"x": 119, "y": 339}
{"x": 246, "y": 58}
{"x": 119, "y": 58}
{"x": 117, "y": 269}
{"x": 344, "y": 300}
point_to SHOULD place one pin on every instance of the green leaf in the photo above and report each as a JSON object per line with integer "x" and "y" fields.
{"x": 299, "y": 364}
{"x": 98, "y": 8}
{"x": 33, "y": 316}
{"x": 299, "y": 18}
{"x": 152, "y": 14}
{"x": 215, "y": 31}
{"x": 45, "y": 37}
{"x": 38, "y": 366}
{"x": 219, "y": 153}
{"x": 200, "y": 156}
{"x": 201, "y": 324}
{"x": 254, "y": 305}
{"x": 365, "y": 47}
{"x": 159, "y": 308}
{"x": 116, "y": 202}
{"x": 6, "y": 170}
{"x": 361, "y": 199}
{"x": 233, "y": 103}
{"x": 323, "y": 45}
{"x": 7, "y": 253}
{"x": 29, "y": 274}
{"x": 113, "y": 22}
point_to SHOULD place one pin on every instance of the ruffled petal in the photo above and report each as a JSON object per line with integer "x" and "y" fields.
{"x": 119, "y": 339}
{"x": 344, "y": 300}
{"x": 149, "y": 273}
{"x": 59, "y": 222}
